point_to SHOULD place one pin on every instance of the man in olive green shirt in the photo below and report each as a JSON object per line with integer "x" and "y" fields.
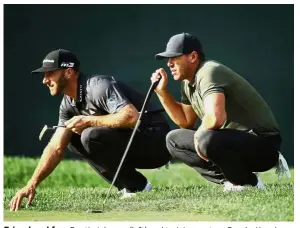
{"x": 238, "y": 135}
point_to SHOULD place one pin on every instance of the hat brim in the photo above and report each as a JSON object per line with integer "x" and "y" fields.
{"x": 166, "y": 54}
{"x": 44, "y": 69}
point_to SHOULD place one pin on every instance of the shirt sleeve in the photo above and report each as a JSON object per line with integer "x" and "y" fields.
{"x": 107, "y": 96}
{"x": 64, "y": 112}
{"x": 213, "y": 81}
{"x": 184, "y": 98}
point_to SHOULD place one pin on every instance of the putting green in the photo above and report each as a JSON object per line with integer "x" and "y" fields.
{"x": 106, "y": 216}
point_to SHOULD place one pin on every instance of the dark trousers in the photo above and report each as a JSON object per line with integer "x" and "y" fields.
{"x": 233, "y": 155}
{"x": 103, "y": 149}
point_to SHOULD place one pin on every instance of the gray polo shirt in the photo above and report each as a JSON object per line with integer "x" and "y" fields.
{"x": 101, "y": 95}
{"x": 246, "y": 109}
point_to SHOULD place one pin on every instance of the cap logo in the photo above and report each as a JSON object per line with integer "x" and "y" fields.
{"x": 67, "y": 64}
{"x": 48, "y": 61}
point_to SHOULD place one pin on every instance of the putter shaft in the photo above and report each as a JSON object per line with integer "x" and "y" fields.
{"x": 150, "y": 91}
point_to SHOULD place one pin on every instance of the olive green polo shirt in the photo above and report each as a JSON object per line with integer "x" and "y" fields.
{"x": 246, "y": 109}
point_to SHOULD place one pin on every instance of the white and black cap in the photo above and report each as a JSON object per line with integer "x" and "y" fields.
{"x": 58, "y": 59}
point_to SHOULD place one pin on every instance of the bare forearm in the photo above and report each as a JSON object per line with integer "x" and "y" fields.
{"x": 172, "y": 107}
{"x": 48, "y": 162}
{"x": 116, "y": 120}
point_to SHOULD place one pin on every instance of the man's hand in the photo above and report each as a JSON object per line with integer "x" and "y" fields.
{"x": 196, "y": 143}
{"x": 16, "y": 201}
{"x": 162, "y": 85}
{"x": 77, "y": 124}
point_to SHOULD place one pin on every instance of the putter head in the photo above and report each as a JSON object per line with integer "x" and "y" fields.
{"x": 43, "y": 132}
{"x": 94, "y": 211}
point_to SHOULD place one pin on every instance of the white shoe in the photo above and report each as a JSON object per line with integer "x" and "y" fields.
{"x": 260, "y": 185}
{"x": 229, "y": 187}
{"x": 282, "y": 167}
{"x": 125, "y": 193}
{"x": 148, "y": 187}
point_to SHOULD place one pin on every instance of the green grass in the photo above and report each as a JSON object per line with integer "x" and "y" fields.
{"x": 179, "y": 194}
{"x": 75, "y": 173}
{"x": 111, "y": 216}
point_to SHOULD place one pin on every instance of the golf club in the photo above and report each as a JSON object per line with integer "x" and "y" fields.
{"x": 46, "y": 128}
{"x": 150, "y": 91}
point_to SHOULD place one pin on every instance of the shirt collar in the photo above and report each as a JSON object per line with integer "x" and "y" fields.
{"x": 194, "y": 80}
{"x": 80, "y": 90}
{"x": 81, "y": 84}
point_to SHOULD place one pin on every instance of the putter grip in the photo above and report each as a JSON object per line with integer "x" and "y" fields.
{"x": 155, "y": 84}
{"x": 150, "y": 91}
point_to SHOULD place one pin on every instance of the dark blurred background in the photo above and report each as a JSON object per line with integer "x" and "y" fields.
{"x": 256, "y": 41}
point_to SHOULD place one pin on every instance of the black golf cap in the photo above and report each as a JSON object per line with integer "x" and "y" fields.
{"x": 58, "y": 59}
{"x": 183, "y": 43}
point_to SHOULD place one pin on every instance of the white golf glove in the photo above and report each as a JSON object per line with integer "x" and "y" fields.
{"x": 282, "y": 168}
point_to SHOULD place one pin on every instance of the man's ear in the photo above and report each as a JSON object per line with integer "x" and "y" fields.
{"x": 69, "y": 72}
{"x": 193, "y": 57}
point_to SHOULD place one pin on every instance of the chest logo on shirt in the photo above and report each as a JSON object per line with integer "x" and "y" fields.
{"x": 112, "y": 102}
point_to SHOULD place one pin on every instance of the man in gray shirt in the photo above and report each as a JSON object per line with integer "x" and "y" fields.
{"x": 96, "y": 115}
{"x": 238, "y": 134}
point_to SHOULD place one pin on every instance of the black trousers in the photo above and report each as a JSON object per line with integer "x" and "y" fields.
{"x": 233, "y": 155}
{"x": 103, "y": 149}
